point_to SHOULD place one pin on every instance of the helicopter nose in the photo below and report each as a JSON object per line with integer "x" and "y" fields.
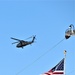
{"x": 18, "y": 45}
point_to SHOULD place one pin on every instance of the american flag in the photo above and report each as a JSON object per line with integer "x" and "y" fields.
{"x": 56, "y": 70}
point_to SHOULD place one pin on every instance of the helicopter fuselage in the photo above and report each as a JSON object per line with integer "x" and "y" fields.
{"x": 23, "y": 43}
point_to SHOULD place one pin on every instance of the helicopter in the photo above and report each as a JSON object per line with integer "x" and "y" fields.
{"x": 70, "y": 31}
{"x": 22, "y": 43}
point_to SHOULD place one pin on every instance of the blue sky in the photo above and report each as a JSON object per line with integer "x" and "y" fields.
{"x": 48, "y": 20}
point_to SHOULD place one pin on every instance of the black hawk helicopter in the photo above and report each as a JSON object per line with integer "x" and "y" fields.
{"x": 22, "y": 43}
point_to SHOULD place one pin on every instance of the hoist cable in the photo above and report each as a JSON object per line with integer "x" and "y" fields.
{"x": 40, "y": 57}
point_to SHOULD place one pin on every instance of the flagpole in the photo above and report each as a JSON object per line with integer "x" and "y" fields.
{"x": 65, "y": 62}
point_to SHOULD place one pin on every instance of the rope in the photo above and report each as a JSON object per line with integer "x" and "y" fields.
{"x": 40, "y": 57}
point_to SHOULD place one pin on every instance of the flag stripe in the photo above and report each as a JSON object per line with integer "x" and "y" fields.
{"x": 56, "y": 70}
{"x": 58, "y": 73}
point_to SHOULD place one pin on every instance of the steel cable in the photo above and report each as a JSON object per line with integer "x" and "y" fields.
{"x": 40, "y": 57}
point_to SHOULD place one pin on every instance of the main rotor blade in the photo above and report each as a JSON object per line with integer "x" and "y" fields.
{"x": 15, "y": 39}
{"x": 14, "y": 42}
{"x": 31, "y": 37}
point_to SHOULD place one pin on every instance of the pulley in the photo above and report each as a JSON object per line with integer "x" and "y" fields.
{"x": 70, "y": 31}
